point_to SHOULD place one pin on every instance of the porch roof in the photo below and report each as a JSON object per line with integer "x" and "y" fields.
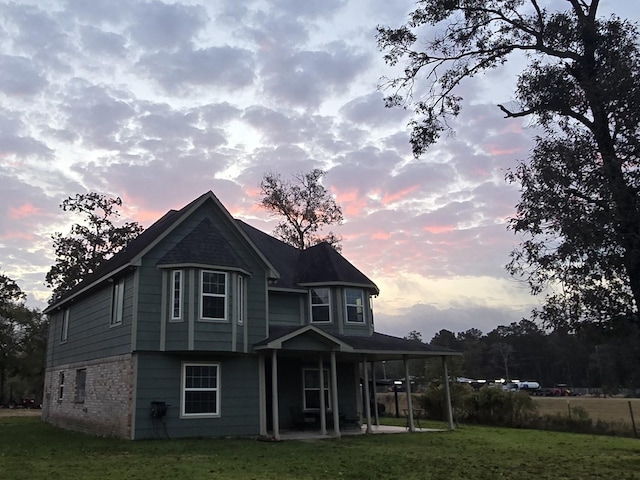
{"x": 376, "y": 347}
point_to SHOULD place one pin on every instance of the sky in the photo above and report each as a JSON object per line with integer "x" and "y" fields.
{"x": 159, "y": 102}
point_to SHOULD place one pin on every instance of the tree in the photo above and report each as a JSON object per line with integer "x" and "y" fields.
{"x": 22, "y": 341}
{"x": 579, "y": 86}
{"x": 305, "y": 205}
{"x": 90, "y": 242}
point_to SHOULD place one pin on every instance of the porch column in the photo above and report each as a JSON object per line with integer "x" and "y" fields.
{"x": 334, "y": 395}
{"x": 375, "y": 394}
{"x": 262, "y": 389}
{"x": 274, "y": 394}
{"x": 367, "y": 400}
{"x": 447, "y": 392}
{"x": 412, "y": 427}
{"x": 323, "y": 407}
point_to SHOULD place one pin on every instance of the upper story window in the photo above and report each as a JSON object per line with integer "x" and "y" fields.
{"x": 213, "y": 295}
{"x": 64, "y": 331}
{"x": 320, "y": 305}
{"x": 240, "y": 303}
{"x": 176, "y": 294}
{"x": 117, "y": 302}
{"x": 354, "y": 302}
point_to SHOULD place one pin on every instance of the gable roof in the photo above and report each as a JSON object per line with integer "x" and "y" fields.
{"x": 204, "y": 245}
{"x": 131, "y": 255}
{"x": 376, "y": 346}
{"x": 289, "y": 268}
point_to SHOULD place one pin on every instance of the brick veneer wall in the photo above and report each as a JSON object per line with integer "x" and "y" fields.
{"x": 109, "y": 397}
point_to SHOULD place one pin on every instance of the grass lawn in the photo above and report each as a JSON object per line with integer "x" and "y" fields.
{"x": 32, "y": 450}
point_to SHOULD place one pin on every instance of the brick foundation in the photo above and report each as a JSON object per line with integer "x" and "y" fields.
{"x": 108, "y": 402}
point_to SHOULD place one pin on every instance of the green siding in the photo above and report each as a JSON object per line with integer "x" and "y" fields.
{"x": 205, "y": 335}
{"x": 159, "y": 379}
{"x": 90, "y": 334}
{"x": 286, "y": 309}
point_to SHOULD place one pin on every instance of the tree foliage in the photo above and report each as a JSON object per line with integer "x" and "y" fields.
{"x": 92, "y": 241}
{"x": 580, "y": 211}
{"x": 22, "y": 344}
{"x": 305, "y": 207}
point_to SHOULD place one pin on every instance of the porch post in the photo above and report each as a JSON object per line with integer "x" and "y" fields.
{"x": 262, "y": 388}
{"x": 375, "y": 395}
{"x": 274, "y": 394}
{"x": 367, "y": 401}
{"x": 323, "y": 407}
{"x": 334, "y": 395}
{"x": 412, "y": 427}
{"x": 447, "y": 392}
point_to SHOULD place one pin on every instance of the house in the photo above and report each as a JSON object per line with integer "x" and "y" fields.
{"x": 205, "y": 326}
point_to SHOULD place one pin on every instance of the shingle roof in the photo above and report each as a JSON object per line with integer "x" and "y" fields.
{"x": 204, "y": 245}
{"x": 376, "y": 345}
{"x": 320, "y": 264}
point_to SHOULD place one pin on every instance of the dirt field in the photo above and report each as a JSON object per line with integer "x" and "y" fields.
{"x": 612, "y": 410}
{"x": 19, "y": 412}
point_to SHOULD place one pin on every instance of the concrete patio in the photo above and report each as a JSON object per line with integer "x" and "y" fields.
{"x": 375, "y": 430}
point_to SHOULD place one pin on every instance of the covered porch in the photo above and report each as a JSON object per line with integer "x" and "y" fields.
{"x": 317, "y": 383}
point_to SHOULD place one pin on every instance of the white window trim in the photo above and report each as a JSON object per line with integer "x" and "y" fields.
{"x": 347, "y": 305}
{"x": 217, "y": 295}
{"x": 240, "y": 299}
{"x": 64, "y": 330}
{"x": 312, "y": 305}
{"x": 184, "y": 390}
{"x": 117, "y": 303}
{"x": 176, "y": 274}
{"x": 326, "y": 385}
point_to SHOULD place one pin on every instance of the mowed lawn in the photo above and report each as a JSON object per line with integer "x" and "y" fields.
{"x": 32, "y": 450}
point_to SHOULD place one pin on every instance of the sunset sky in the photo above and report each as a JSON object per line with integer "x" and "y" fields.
{"x": 159, "y": 102}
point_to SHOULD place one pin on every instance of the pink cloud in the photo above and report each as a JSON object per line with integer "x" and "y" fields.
{"x": 394, "y": 197}
{"x": 24, "y": 211}
{"x": 436, "y": 229}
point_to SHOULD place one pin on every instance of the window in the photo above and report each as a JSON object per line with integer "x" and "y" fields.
{"x": 60, "y": 385}
{"x": 81, "y": 380}
{"x": 201, "y": 389}
{"x": 354, "y": 300}
{"x": 240, "y": 300}
{"x": 64, "y": 332}
{"x": 311, "y": 387}
{"x": 213, "y": 300}
{"x": 320, "y": 305}
{"x": 117, "y": 302}
{"x": 176, "y": 295}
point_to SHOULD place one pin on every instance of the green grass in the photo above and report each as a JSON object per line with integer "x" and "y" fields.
{"x": 32, "y": 450}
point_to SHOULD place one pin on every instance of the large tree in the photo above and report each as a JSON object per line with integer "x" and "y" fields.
{"x": 22, "y": 343}
{"x": 93, "y": 240}
{"x": 579, "y": 86}
{"x": 305, "y": 206}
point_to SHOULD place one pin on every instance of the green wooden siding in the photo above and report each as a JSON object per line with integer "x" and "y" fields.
{"x": 159, "y": 379}
{"x": 90, "y": 334}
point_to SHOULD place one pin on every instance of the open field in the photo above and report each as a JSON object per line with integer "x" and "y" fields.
{"x": 32, "y": 450}
{"x": 611, "y": 410}
{"x": 19, "y": 412}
